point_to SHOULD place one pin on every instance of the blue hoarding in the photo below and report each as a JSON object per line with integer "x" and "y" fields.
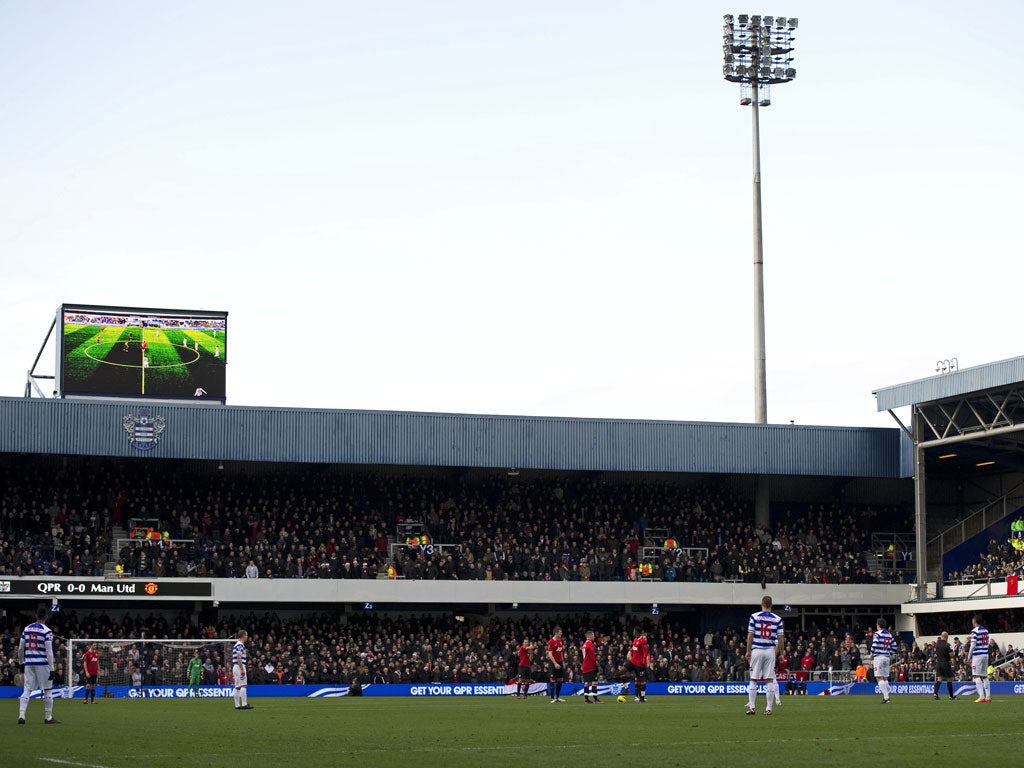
{"x": 965, "y": 689}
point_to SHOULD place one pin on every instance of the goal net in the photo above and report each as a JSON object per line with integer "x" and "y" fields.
{"x": 137, "y": 667}
{"x": 840, "y": 681}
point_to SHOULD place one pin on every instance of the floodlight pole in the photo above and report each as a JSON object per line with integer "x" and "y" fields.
{"x": 758, "y": 52}
{"x": 762, "y": 494}
{"x": 760, "y": 369}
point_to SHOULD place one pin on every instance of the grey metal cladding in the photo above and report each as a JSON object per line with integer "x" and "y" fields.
{"x": 953, "y": 384}
{"x": 239, "y": 433}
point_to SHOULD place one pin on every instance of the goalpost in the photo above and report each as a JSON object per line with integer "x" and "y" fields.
{"x": 132, "y": 667}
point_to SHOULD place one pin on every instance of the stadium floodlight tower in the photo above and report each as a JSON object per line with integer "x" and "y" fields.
{"x": 758, "y": 54}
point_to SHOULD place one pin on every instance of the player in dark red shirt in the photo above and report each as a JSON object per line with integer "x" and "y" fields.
{"x": 589, "y": 669}
{"x": 525, "y": 669}
{"x": 91, "y": 665}
{"x": 637, "y": 662}
{"x": 556, "y": 664}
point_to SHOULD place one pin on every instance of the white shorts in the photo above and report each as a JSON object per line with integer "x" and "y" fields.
{"x": 979, "y": 665}
{"x": 762, "y": 664}
{"x": 882, "y": 664}
{"x": 238, "y": 672}
{"x": 37, "y": 678}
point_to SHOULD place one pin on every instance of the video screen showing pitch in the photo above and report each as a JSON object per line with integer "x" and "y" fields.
{"x": 132, "y": 352}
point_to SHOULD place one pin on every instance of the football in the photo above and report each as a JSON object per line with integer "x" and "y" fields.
{"x": 621, "y": 699}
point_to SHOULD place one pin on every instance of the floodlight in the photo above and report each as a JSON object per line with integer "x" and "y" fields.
{"x": 763, "y": 46}
{"x": 793, "y": 23}
{"x": 728, "y": 19}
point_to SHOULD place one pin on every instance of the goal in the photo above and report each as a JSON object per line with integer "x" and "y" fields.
{"x": 840, "y": 681}
{"x": 144, "y": 667}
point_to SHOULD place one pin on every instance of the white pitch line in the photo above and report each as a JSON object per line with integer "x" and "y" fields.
{"x": 71, "y": 762}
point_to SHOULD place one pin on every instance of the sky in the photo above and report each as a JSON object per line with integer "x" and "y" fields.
{"x": 539, "y": 208}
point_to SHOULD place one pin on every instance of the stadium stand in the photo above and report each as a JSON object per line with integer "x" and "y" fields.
{"x": 78, "y": 518}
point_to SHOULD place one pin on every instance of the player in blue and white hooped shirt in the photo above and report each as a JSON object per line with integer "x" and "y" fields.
{"x": 882, "y": 647}
{"x": 977, "y": 647}
{"x": 240, "y": 672}
{"x": 35, "y": 651}
{"x": 764, "y": 639}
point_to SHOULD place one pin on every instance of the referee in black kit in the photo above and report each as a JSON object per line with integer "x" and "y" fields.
{"x": 943, "y": 665}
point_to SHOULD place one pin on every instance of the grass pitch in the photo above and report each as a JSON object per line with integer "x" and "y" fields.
{"x": 710, "y": 732}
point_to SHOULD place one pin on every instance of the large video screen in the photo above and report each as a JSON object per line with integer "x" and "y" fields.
{"x": 133, "y": 352}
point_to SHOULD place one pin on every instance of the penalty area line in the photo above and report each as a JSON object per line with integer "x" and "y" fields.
{"x": 72, "y": 762}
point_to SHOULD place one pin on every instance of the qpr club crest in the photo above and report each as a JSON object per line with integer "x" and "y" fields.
{"x": 143, "y": 429}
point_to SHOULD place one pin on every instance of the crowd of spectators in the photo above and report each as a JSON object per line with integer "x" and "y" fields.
{"x": 286, "y": 522}
{"x": 998, "y": 561}
{"x": 381, "y": 648}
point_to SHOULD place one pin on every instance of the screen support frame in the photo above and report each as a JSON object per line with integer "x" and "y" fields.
{"x": 33, "y": 378}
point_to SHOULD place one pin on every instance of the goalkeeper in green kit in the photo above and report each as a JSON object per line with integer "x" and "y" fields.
{"x": 195, "y": 671}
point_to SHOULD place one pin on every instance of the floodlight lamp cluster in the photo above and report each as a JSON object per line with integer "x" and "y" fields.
{"x": 758, "y": 50}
